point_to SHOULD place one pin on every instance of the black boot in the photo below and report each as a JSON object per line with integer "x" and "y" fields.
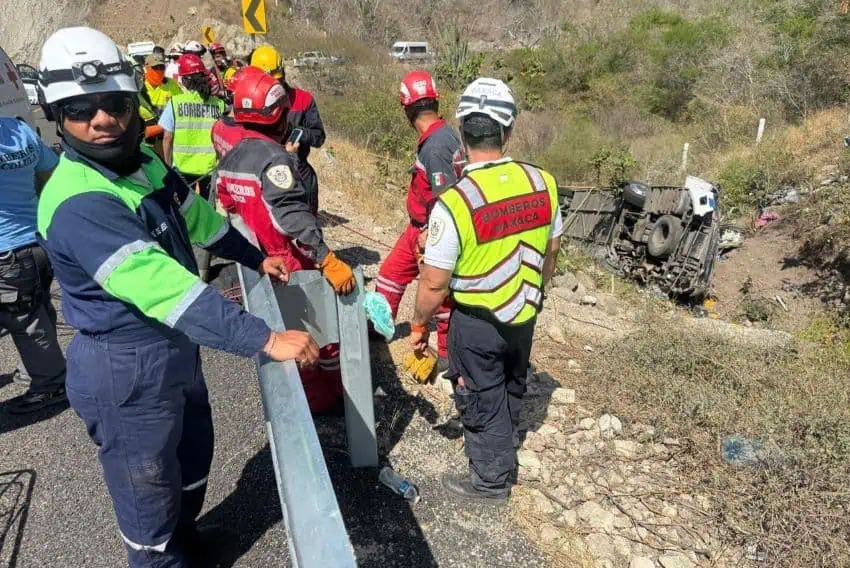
{"x": 32, "y": 401}
{"x": 459, "y": 486}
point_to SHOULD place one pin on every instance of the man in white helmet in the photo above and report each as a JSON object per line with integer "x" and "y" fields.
{"x": 493, "y": 238}
{"x": 173, "y": 54}
{"x": 118, "y": 226}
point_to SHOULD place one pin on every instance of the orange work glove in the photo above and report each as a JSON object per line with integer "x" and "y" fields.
{"x": 338, "y": 273}
{"x": 153, "y": 131}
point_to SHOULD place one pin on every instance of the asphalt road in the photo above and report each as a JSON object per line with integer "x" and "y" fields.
{"x": 54, "y": 509}
{"x": 46, "y": 129}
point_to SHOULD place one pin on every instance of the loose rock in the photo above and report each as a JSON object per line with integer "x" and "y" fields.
{"x": 610, "y": 426}
{"x": 596, "y": 516}
{"x": 587, "y": 423}
{"x": 675, "y": 560}
{"x": 534, "y": 442}
{"x": 601, "y": 546}
{"x": 529, "y": 459}
{"x": 563, "y": 396}
{"x": 556, "y": 333}
{"x": 626, "y": 448}
{"x": 641, "y": 562}
{"x": 588, "y": 300}
{"x": 566, "y": 281}
{"x": 549, "y": 534}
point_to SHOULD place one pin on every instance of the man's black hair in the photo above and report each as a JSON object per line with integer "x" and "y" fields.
{"x": 480, "y": 132}
{"x": 420, "y": 106}
{"x": 199, "y": 83}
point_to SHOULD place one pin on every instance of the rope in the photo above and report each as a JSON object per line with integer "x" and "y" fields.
{"x": 356, "y": 232}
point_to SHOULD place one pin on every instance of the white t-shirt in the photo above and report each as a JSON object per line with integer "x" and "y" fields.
{"x": 443, "y": 246}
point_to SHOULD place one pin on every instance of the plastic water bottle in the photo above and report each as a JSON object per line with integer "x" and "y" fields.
{"x": 399, "y": 485}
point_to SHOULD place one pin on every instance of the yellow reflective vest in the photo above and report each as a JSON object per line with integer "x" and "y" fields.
{"x": 160, "y": 95}
{"x": 194, "y": 117}
{"x": 503, "y": 213}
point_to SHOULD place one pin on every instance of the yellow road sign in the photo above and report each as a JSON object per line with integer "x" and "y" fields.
{"x": 208, "y": 33}
{"x": 254, "y": 16}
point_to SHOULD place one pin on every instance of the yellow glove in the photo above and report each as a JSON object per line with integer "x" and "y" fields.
{"x": 420, "y": 365}
{"x": 338, "y": 273}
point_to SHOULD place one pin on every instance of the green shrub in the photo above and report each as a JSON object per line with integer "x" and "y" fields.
{"x": 743, "y": 183}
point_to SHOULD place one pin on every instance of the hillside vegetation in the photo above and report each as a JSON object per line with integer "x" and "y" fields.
{"x": 609, "y": 89}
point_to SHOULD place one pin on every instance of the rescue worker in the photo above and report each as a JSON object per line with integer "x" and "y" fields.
{"x": 187, "y": 122}
{"x": 303, "y": 114}
{"x": 158, "y": 87}
{"x": 194, "y": 47}
{"x": 173, "y": 54}
{"x": 493, "y": 240}
{"x": 118, "y": 225}
{"x": 437, "y": 152}
{"x": 256, "y": 179}
{"x": 26, "y": 311}
{"x": 219, "y": 55}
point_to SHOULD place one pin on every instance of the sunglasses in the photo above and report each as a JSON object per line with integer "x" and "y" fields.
{"x": 85, "y": 108}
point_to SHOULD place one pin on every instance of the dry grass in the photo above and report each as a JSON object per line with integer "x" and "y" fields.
{"x": 364, "y": 179}
{"x": 795, "y": 504}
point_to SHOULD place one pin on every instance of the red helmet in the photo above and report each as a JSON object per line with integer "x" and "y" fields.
{"x": 417, "y": 85}
{"x": 217, "y": 48}
{"x": 258, "y": 98}
{"x": 190, "y": 64}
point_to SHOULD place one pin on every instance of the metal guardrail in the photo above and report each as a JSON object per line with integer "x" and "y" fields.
{"x": 314, "y": 526}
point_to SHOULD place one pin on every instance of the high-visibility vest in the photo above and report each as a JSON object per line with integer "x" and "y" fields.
{"x": 194, "y": 117}
{"x": 161, "y": 94}
{"x": 503, "y": 214}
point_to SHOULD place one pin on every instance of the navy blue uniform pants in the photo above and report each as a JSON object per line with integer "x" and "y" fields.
{"x": 145, "y": 405}
{"x": 492, "y": 359}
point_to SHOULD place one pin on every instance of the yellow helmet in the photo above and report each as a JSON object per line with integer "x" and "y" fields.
{"x": 228, "y": 74}
{"x": 269, "y": 60}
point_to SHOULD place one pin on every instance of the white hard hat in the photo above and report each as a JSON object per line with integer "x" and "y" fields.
{"x": 490, "y": 97}
{"x": 175, "y": 49}
{"x": 194, "y": 47}
{"x": 82, "y": 61}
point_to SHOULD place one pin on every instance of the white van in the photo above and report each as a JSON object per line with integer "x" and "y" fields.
{"x": 411, "y": 51}
{"x": 13, "y": 97}
{"x": 140, "y": 49}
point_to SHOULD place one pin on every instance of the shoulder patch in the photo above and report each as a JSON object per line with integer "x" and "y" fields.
{"x": 281, "y": 176}
{"x": 436, "y": 228}
{"x": 438, "y": 179}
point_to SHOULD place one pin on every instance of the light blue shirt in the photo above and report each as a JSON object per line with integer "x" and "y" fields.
{"x": 166, "y": 119}
{"x": 22, "y": 154}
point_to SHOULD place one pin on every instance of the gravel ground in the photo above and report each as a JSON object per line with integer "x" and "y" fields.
{"x": 54, "y": 510}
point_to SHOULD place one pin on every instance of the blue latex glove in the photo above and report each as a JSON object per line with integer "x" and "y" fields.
{"x": 379, "y": 313}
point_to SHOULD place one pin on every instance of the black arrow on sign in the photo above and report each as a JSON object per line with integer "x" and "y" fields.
{"x": 251, "y": 15}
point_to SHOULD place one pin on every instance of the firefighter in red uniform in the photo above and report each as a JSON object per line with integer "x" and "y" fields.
{"x": 303, "y": 115}
{"x": 438, "y": 153}
{"x": 257, "y": 180}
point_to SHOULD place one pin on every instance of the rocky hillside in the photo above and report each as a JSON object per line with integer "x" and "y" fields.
{"x": 27, "y": 23}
